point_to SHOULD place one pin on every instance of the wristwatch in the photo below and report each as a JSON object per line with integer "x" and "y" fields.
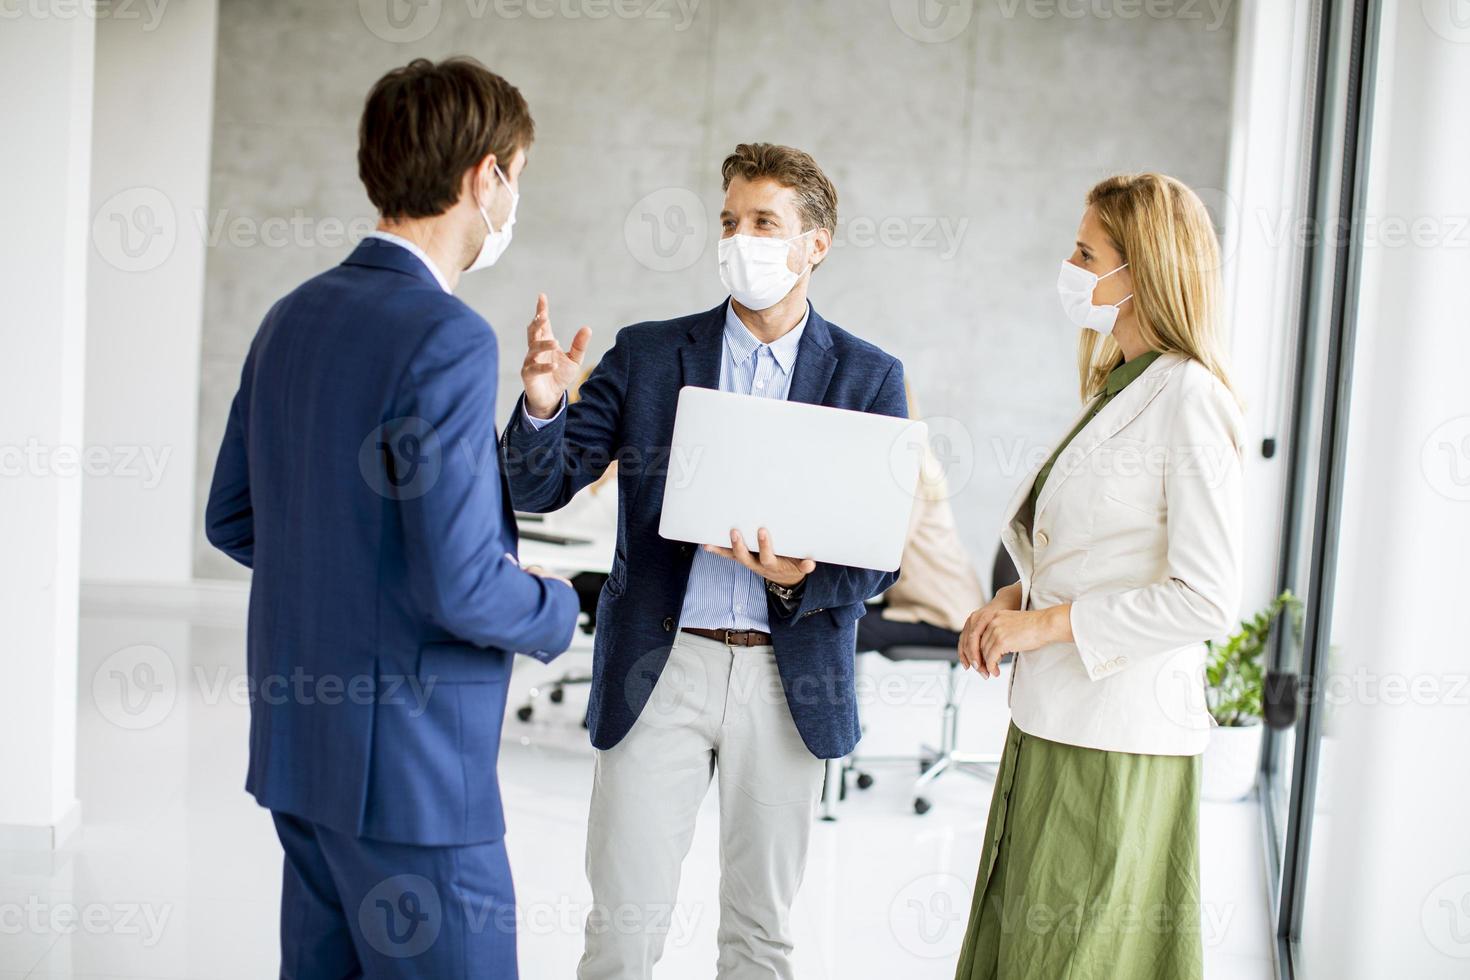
{"x": 781, "y": 591}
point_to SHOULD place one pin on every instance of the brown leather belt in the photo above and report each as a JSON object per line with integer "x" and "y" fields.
{"x": 733, "y": 638}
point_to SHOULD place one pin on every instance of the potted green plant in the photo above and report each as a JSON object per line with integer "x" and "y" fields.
{"x": 1235, "y": 674}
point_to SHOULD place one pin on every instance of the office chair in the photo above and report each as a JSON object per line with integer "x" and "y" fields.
{"x": 934, "y": 761}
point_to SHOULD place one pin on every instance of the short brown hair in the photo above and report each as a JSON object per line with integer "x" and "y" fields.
{"x": 424, "y": 125}
{"x": 816, "y": 198}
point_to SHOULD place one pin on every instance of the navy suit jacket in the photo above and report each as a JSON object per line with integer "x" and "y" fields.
{"x": 626, "y": 412}
{"x": 358, "y": 477}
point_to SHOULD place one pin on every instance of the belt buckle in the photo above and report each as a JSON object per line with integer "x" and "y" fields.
{"x": 728, "y": 644}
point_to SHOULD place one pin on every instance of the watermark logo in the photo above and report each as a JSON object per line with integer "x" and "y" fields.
{"x": 928, "y": 915}
{"x": 1450, "y": 19}
{"x": 946, "y": 457}
{"x": 144, "y": 464}
{"x": 135, "y": 688}
{"x": 400, "y": 21}
{"x": 944, "y": 235}
{"x": 680, "y": 13}
{"x": 1179, "y": 690}
{"x": 402, "y": 458}
{"x": 1211, "y": 14}
{"x": 1445, "y": 917}
{"x": 144, "y": 922}
{"x": 670, "y": 689}
{"x": 135, "y": 229}
{"x": 1445, "y": 459}
{"x": 401, "y": 916}
{"x": 932, "y": 21}
{"x": 666, "y": 231}
{"x": 148, "y": 12}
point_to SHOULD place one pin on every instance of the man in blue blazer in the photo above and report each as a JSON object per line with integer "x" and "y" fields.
{"x": 358, "y": 479}
{"x": 735, "y": 660}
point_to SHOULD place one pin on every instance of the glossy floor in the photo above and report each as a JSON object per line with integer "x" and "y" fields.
{"x": 175, "y": 873}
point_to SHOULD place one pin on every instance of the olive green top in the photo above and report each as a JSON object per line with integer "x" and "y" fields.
{"x": 1118, "y": 379}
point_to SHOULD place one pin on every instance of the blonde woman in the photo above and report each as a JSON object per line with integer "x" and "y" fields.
{"x": 1127, "y": 540}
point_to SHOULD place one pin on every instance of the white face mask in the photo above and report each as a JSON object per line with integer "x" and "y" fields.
{"x": 1075, "y": 285}
{"x": 496, "y": 242}
{"x": 754, "y": 269}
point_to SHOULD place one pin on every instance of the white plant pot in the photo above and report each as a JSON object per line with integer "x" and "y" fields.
{"x": 1231, "y": 761}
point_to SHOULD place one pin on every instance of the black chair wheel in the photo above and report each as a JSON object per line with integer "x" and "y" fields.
{"x": 864, "y": 780}
{"x": 524, "y": 712}
{"x": 924, "y": 765}
{"x": 557, "y": 695}
{"x": 921, "y": 805}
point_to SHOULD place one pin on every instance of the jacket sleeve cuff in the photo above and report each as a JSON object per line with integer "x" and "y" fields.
{"x": 538, "y": 424}
{"x": 1099, "y": 658}
{"x": 567, "y": 610}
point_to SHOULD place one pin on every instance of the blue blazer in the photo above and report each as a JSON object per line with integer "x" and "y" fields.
{"x": 626, "y": 412}
{"x": 358, "y": 477}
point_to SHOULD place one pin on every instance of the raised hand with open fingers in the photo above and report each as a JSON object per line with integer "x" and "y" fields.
{"x": 548, "y": 370}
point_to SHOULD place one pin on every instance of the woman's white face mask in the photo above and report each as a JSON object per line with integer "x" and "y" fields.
{"x": 1075, "y": 286}
{"x": 754, "y": 269}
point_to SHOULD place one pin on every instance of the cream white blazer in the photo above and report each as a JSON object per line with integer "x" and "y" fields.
{"x": 1139, "y": 527}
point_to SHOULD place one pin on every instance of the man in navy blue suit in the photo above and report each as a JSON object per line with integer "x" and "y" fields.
{"x": 358, "y": 479}
{"x": 736, "y": 661}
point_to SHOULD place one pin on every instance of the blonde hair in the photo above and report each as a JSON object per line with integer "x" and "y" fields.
{"x": 1162, "y": 230}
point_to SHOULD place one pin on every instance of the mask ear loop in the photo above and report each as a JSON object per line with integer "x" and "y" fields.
{"x": 495, "y": 168}
{"x": 810, "y": 265}
{"x": 484, "y": 213}
{"x": 1119, "y": 304}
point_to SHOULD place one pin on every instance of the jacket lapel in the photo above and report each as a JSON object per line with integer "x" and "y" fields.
{"x": 699, "y": 359}
{"x": 1124, "y": 408}
{"x": 814, "y": 362}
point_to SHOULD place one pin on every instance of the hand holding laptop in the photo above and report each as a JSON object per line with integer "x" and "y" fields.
{"x": 785, "y": 572}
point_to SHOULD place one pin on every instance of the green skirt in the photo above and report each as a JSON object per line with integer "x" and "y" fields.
{"x": 1090, "y": 869}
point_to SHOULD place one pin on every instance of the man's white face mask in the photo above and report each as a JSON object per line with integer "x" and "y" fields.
{"x": 1074, "y": 287}
{"x": 496, "y": 242}
{"x": 754, "y": 269}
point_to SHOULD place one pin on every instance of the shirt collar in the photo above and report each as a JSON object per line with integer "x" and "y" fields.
{"x": 1123, "y": 375}
{"x": 742, "y": 343}
{"x": 423, "y": 256}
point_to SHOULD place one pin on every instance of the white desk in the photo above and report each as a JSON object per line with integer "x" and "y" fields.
{"x": 568, "y": 559}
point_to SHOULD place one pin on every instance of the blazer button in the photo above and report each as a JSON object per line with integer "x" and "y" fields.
{"x": 1041, "y": 539}
{"x": 668, "y": 624}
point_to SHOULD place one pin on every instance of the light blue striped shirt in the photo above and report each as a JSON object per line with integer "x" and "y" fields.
{"x": 723, "y": 594}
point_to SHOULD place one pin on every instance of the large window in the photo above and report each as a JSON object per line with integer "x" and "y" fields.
{"x": 1341, "y": 59}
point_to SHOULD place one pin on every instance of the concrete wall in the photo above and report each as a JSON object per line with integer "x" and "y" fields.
{"x": 962, "y": 138}
{"x": 145, "y": 290}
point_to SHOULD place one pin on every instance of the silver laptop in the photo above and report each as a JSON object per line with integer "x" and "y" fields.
{"x": 829, "y": 484}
